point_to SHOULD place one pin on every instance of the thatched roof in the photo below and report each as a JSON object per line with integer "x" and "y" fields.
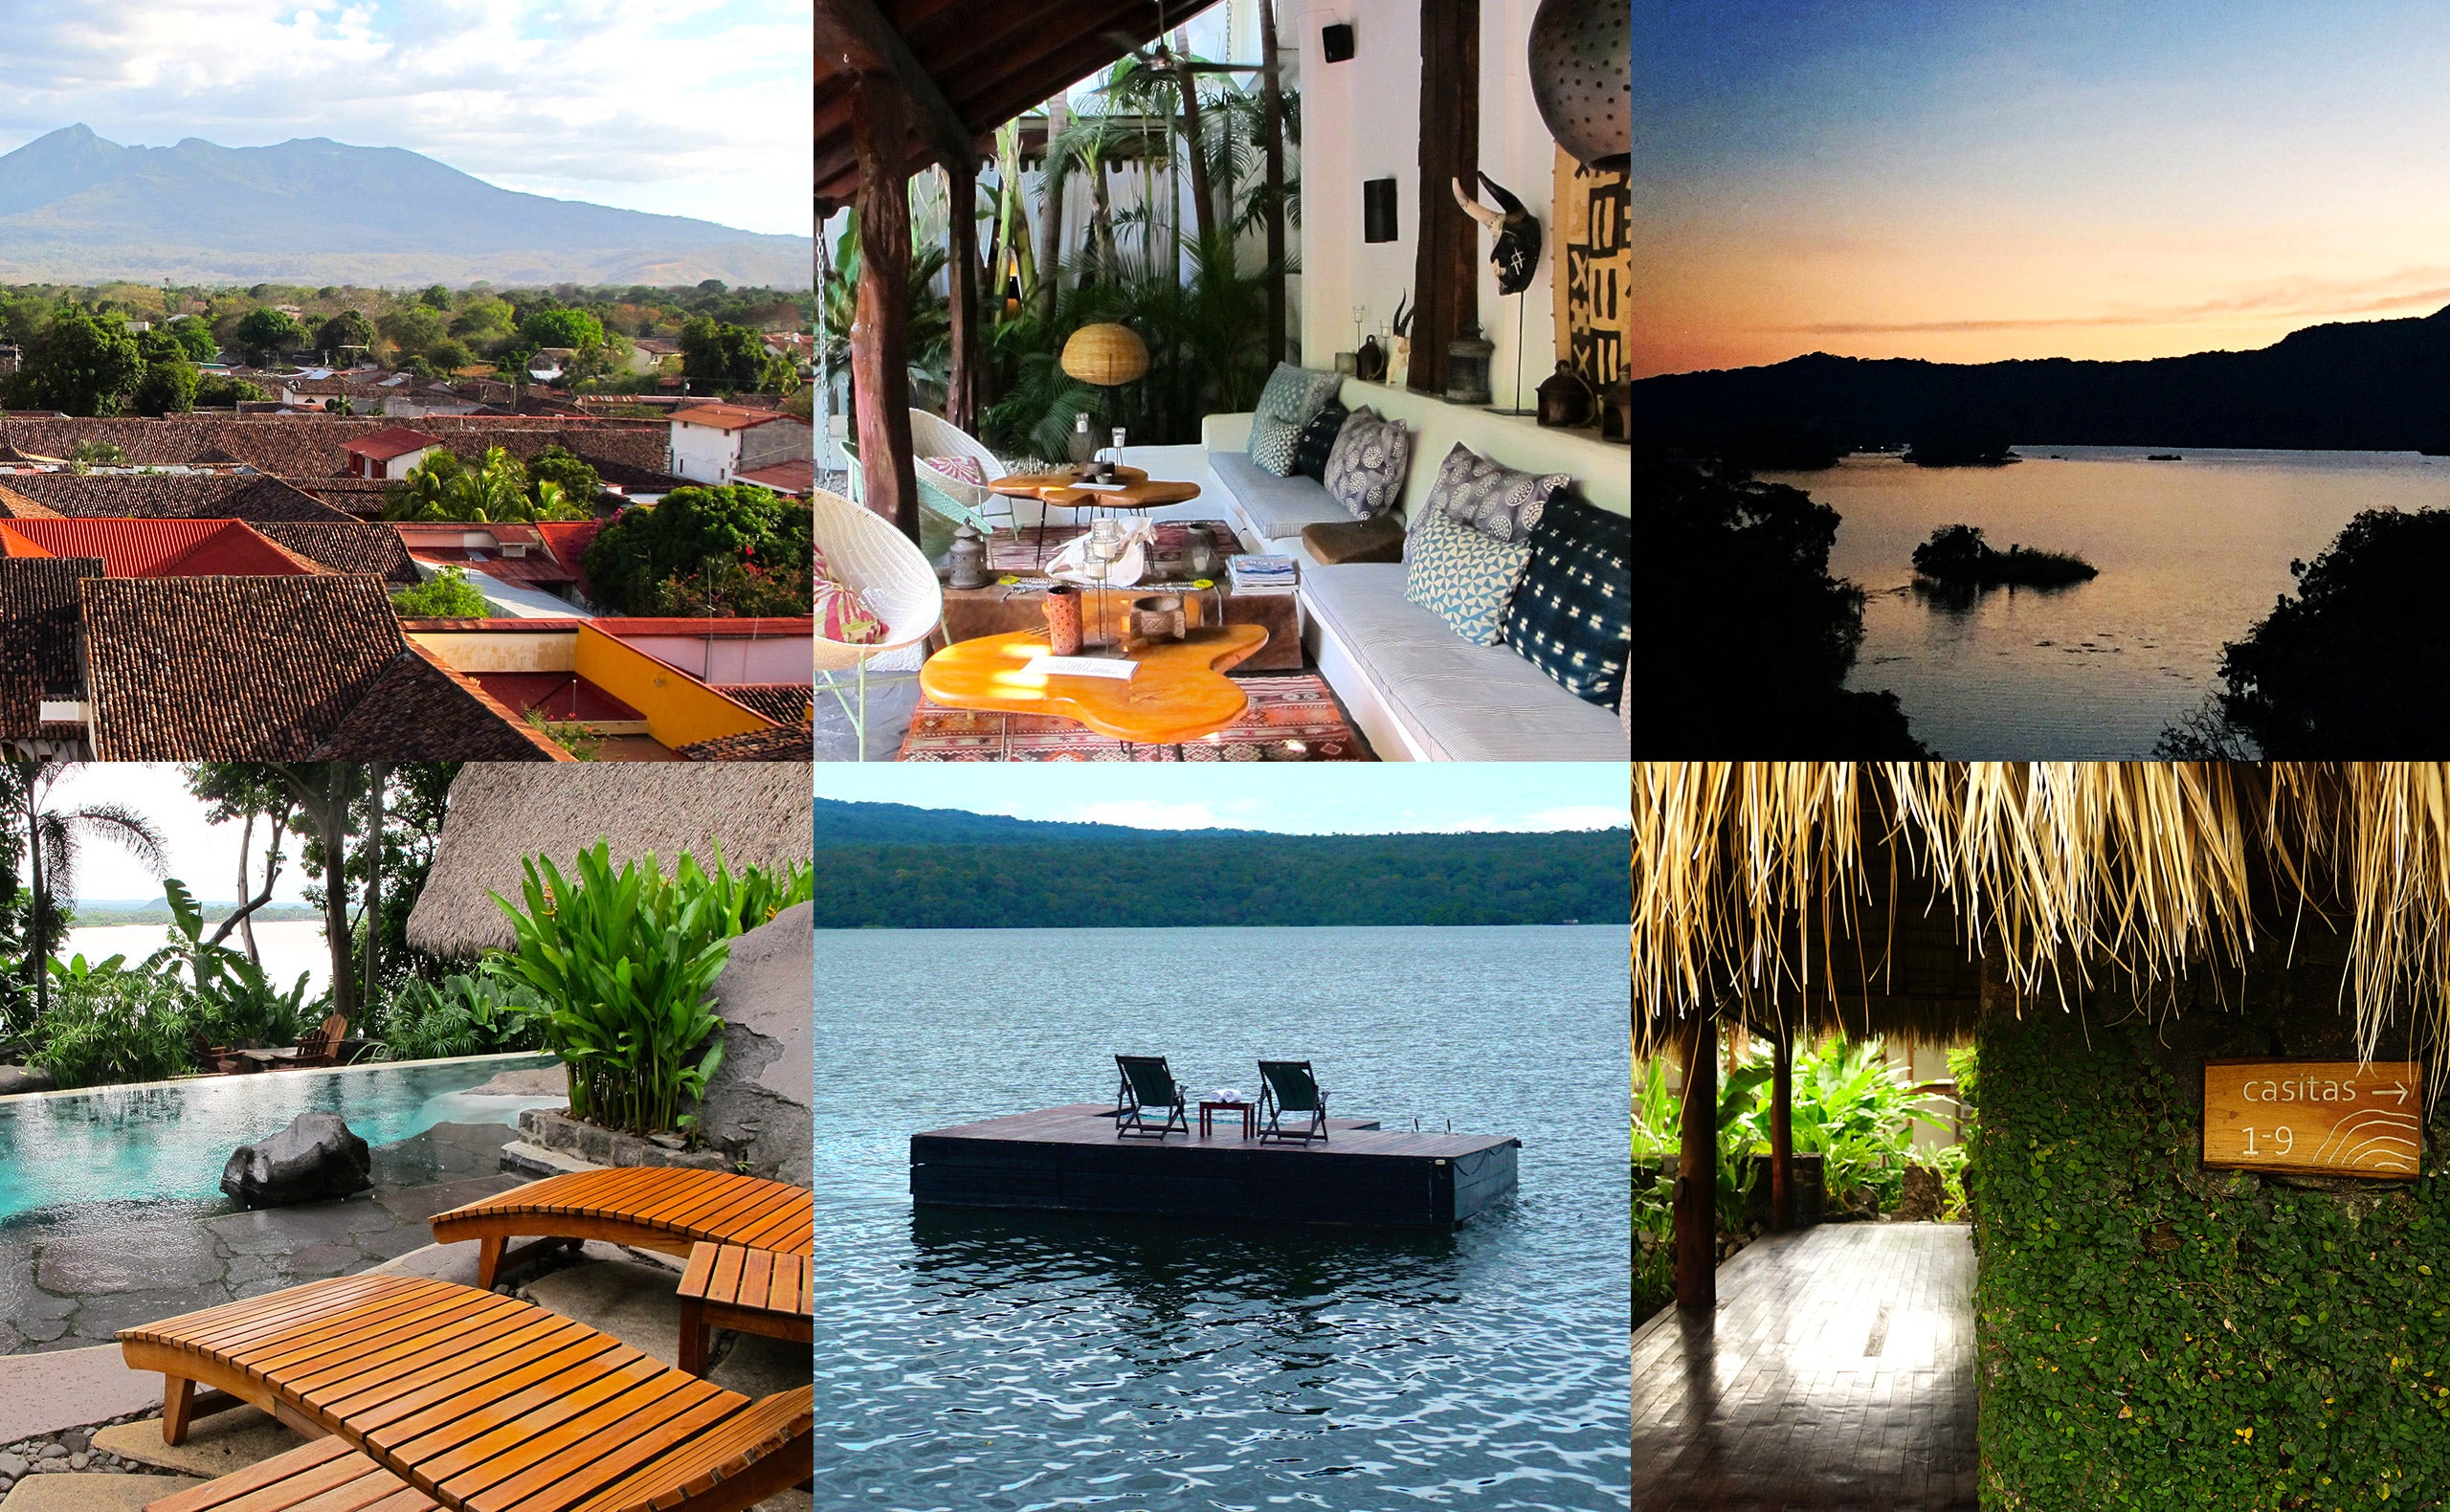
{"x": 1794, "y": 892}
{"x": 759, "y": 814}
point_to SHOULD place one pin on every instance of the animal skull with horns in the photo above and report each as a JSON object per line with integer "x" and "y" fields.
{"x": 1516, "y": 255}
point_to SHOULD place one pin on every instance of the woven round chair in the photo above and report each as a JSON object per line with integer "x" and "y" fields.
{"x": 933, "y": 435}
{"x": 863, "y": 551}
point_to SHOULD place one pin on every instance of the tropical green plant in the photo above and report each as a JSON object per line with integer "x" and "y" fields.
{"x": 448, "y": 595}
{"x": 1855, "y": 1111}
{"x": 232, "y": 1000}
{"x": 471, "y": 1014}
{"x": 1659, "y": 1128}
{"x": 107, "y": 1024}
{"x": 625, "y": 962}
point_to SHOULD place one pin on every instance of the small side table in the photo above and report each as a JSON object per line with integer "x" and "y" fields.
{"x": 1249, "y": 1111}
{"x": 750, "y": 1291}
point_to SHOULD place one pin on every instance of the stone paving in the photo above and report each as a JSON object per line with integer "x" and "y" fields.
{"x": 77, "y": 1281}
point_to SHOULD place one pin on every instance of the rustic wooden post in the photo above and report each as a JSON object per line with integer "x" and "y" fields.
{"x": 1272, "y": 108}
{"x": 880, "y": 320}
{"x": 1446, "y": 274}
{"x": 1696, "y": 1180}
{"x": 1782, "y": 1132}
{"x": 961, "y": 272}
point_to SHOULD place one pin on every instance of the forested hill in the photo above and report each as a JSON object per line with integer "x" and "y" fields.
{"x": 889, "y": 866}
{"x": 2365, "y": 384}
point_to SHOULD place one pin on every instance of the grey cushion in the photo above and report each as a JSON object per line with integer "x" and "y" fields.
{"x": 1297, "y": 394}
{"x": 1274, "y": 444}
{"x": 1275, "y": 508}
{"x": 1366, "y": 471}
{"x": 1500, "y": 501}
{"x": 1463, "y": 576}
{"x": 1459, "y": 702}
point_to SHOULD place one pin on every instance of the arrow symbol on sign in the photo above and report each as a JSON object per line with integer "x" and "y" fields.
{"x": 2399, "y": 1090}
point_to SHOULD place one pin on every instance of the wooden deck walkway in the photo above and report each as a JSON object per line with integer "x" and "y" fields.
{"x": 1838, "y": 1372}
{"x": 1068, "y": 1159}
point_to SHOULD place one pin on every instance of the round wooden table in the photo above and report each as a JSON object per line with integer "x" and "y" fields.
{"x": 1180, "y": 692}
{"x": 1060, "y": 488}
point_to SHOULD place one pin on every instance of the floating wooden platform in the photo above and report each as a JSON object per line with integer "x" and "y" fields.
{"x": 1068, "y": 1160}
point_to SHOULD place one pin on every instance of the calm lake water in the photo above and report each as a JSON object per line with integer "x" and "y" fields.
{"x": 2191, "y": 552}
{"x": 286, "y": 948}
{"x": 1023, "y": 1362}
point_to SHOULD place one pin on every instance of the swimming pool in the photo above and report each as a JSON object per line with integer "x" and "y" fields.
{"x": 170, "y": 1138}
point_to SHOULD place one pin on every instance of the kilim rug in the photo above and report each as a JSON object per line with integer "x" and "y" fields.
{"x": 1023, "y": 553}
{"x": 1292, "y": 716}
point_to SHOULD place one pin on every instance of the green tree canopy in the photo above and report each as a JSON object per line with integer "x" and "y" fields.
{"x": 722, "y": 357}
{"x": 575, "y": 329}
{"x": 167, "y": 387}
{"x": 556, "y": 464}
{"x": 484, "y": 317}
{"x": 448, "y": 595}
{"x": 496, "y": 490}
{"x": 265, "y": 332}
{"x": 694, "y": 532}
{"x": 196, "y": 334}
{"x": 347, "y": 328}
{"x": 220, "y": 392}
{"x": 416, "y": 331}
{"x": 87, "y": 363}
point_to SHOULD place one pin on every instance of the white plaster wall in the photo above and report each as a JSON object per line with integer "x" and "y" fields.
{"x": 1361, "y": 121}
{"x": 705, "y": 455}
{"x": 773, "y": 658}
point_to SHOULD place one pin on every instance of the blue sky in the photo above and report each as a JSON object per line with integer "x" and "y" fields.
{"x": 1326, "y": 798}
{"x": 680, "y": 107}
{"x": 1973, "y": 180}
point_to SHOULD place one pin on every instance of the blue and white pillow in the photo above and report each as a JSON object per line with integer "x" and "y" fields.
{"x": 1572, "y": 615}
{"x": 1275, "y": 444}
{"x": 1292, "y": 397}
{"x": 1463, "y": 575}
{"x": 1366, "y": 470}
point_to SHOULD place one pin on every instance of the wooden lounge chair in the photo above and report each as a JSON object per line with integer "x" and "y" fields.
{"x": 323, "y": 1047}
{"x": 480, "y": 1403}
{"x": 1289, "y": 1086}
{"x": 1148, "y": 1083}
{"x": 212, "y": 1058}
{"x": 663, "y": 1208}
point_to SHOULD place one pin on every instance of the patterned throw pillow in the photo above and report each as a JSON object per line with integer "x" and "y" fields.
{"x": 1498, "y": 500}
{"x": 1274, "y": 444}
{"x": 842, "y": 614}
{"x": 1466, "y": 577}
{"x": 1292, "y": 395}
{"x": 965, "y": 469}
{"x": 1366, "y": 471}
{"x": 1318, "y": 439}
{"x": 1572, "y": 616}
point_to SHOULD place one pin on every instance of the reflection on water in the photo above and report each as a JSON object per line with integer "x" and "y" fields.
{"x": 1047, "y": 1361}
{"x": 2190, "y": 553}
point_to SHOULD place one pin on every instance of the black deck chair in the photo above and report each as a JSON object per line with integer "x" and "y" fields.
{"x": 1289, "y": 1086}
{"x": 1147, "y": 1084}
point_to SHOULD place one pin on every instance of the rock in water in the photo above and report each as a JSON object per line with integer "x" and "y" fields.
{"x": 1925, "y": 1198}
{"x": 313, "y": 1160}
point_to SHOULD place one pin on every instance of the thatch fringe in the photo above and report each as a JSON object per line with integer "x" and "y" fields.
{"x": 1753, "y": 882}
{"x": 761, "y": 813}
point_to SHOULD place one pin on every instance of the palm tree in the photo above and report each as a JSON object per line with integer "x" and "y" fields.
{"x": 56, "y": 837}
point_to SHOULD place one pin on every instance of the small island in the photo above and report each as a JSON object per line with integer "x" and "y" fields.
{"x": 1957, "y": 556}
{"x": 1961, "y": 448}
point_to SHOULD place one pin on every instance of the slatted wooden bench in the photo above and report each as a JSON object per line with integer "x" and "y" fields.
{"x": 752, "y": 1291}
{"x": 481, "y": 1403}
{"x": 325, "y": 1471}
{"x": 660, "y": 1207}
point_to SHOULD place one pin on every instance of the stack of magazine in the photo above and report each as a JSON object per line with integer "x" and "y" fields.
{"x": 1257, "y": 574}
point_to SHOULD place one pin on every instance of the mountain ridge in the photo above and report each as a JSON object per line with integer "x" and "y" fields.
{"x": 2360, "y": 385}
{"x": 76, "y": 207}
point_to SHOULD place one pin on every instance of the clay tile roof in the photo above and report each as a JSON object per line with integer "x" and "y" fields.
{"x": 776, "y": 742}
{"x": 39, "y": 616}
{"x": 797, "y": 479}
{"x": 354, "y": 546}
{"x": 271, "y": 669}
{"x": 782, "y": 703}
{"x": 396, "y": 440}
{"x": 724, "y": 416}
{"x": 166, "y": 496}
{"x": 159, "y": 547}
{"x": 14, "y": 506}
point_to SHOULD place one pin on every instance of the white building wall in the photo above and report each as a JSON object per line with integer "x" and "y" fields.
{"x": 705, "y": 455}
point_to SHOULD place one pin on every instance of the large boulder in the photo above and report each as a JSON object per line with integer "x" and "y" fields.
{"x": 14, "y": 1079}
{"x": 315, "y": 1159}
{"x": 1926, "y": 1197}
{"x": 757, "y": 1106}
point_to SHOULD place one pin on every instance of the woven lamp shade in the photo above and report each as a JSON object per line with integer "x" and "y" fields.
{"x": 1106, "y": 355}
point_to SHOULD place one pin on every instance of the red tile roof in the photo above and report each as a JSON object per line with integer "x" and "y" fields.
{"x": 724, "y": 416}
{"x": 352, "y": 545}
{"x": 157, "y": 547}
{"x": 782, "y": 703}
{"x": 775, "y": 742}
{"x": 274, "y": 669}
{"x": 796, "y": 478}
{"x": 396, "y": 440}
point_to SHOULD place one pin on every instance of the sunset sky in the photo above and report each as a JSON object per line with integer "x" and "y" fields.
{"x": 1966, "y": 181}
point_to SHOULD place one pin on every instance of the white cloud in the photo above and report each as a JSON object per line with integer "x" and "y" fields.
{"x": 685, "y": 107}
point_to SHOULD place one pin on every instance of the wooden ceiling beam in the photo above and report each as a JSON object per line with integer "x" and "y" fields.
{"x": 853, "y": 37}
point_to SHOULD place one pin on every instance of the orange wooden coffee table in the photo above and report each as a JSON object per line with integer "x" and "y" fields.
{"x": 1060, "y": 489}
{"x": 1179, "y": 694}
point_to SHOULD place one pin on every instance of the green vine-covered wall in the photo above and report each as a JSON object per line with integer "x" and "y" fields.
{"x": 2156, "y": 1335}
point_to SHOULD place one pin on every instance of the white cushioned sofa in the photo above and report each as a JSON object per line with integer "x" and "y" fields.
{"x": 1419, "y": 691}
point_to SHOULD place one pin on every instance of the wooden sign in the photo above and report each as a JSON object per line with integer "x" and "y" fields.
{"x": 2332, "y": 1118}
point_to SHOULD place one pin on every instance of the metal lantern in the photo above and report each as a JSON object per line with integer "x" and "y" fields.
{"x": 1565, "y": 401}
{"x": 1199, "y": 553}
{"x": 1468, "y": 367}
{"x": 1582, "y": 78}
{"x": 1617, "y": 410}
{"x": 967, "y": 559}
